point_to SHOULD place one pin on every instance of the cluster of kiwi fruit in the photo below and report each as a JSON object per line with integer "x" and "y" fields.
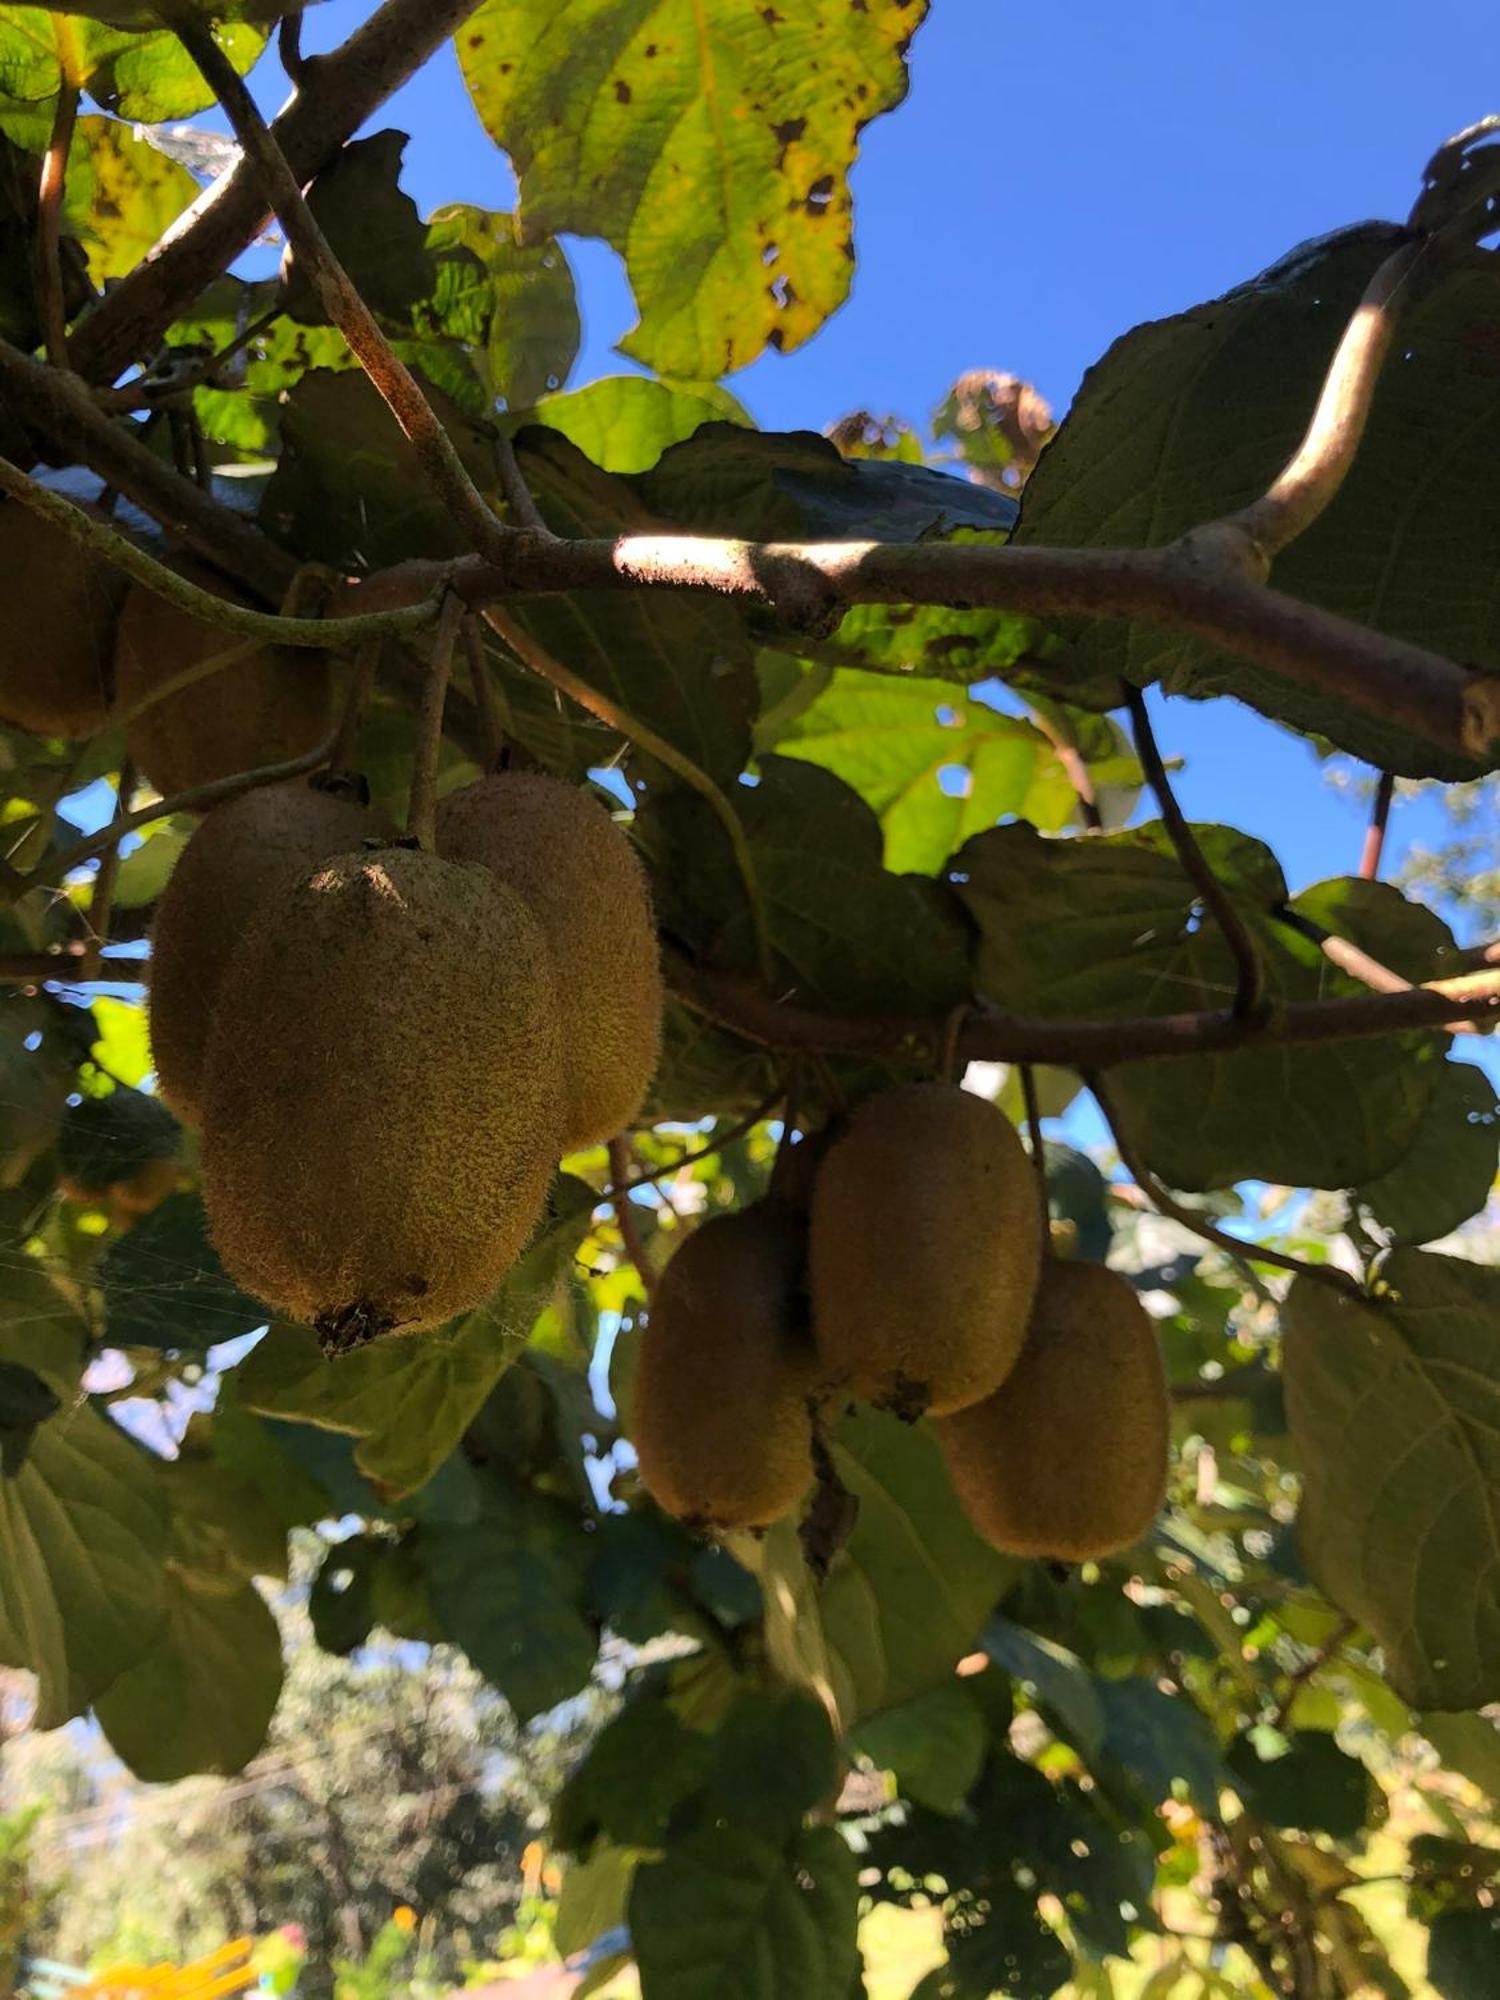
{"x": 914, "y": 1276}
{"x": 388, "y": 1049}
{"x": 95, "y": 648}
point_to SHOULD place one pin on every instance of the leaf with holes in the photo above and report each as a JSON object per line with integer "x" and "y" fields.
{"x": 710, "y": 143}
{"x": 1394, "y": 1406}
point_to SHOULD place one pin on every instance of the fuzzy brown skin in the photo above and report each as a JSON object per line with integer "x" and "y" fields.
{"x": 925, "y": 1245}
{"x": 239, "y": 853}
{"x": 720, "y": 1416}
{"x": 270, "y": 704}
{"x": 57, "y": 628}
{"x": 561, "y": 850}
{"x": 1069, "y": 1458}
{"x": 381, "y": 1093}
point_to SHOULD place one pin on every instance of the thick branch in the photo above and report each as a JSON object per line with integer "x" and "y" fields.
{"x": 435, "y": 451}
{"x": 336, "y": 93}
{"x": 1316, "y": 471}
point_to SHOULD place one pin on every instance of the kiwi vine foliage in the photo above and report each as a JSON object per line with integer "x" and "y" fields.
{"x": 1329, "y": 1558}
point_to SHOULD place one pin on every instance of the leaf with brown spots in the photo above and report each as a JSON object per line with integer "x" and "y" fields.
{"x": 709, "y": 141}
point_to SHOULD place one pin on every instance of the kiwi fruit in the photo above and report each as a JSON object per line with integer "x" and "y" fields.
{"x": 721, "y": 1419}
{"x": 926, "y": 1237}
{"x": 57, "y": 633}
{"x": 238, "y": 852}
{"x": 382, "y": 1091}
{"x": 265, "y": 706}
{"x": 1068, "y": 1458}
{"x": 561, "y": 851}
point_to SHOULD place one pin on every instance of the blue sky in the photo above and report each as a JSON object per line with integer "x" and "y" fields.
{"x": 1057, "y": 174}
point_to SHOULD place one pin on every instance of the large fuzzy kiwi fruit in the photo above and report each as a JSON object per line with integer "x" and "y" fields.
{"x": 265, "y": 706}
{"x": 560, "y": 849}
{"x": 1068, "y": 1458}
{"x": 926, "y": 1238}
{"x": 721, "y": 1419}
{"x": 381, "y": 1093}
{"x": 239, "y": 852}
{"x": 58, "y": 607}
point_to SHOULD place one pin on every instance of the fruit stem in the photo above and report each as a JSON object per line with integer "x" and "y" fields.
{"x": 625, "y": 1216}
{"x": 1380, "y": 814}
{"x": 482, "y": 687}
{"x": 421, "y": 811}
{"x": 361, "y": 680}
{"x": 1037, "y": 1148}
{"x": 716, "y": 1144}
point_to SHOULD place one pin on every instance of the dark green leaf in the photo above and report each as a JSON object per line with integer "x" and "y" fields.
{"x": 1463, "y": 1954}
{"x": 83, "y": 1543}
{"x": 934, "y": 1745}
{"x": 524, "y": 1630}
{"x": 726, "y": 1913}
{"x": 625, "y": 422}
{"x": 373, "y": 228}
{"x": 1163, "y": 1742}
{"x": 1304, "y": 1780}
{"x": 25, "y": 1402}
{"x": 201, "y": 1698}
{"x": 796, "y": 485}
{"x": 1110, "y": 927}
{"x": 642, "y": 1765}
{"x": 105, "y": 1140}
{"x": 1446, "y": 1174}
{"x": 1003, "y": 1946}
{"x": 1394, "y": 1408}
{"x": 1189, "y": 418}
{"x": 165, "y": 1287}
{"x": 773, "y": 1761}
{"x": 846, "y": 933}
{"x": 711, "y": 150}
{"x": 340, "y": 1600}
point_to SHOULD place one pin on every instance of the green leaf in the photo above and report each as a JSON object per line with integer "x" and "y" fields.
{"x": 121, "y": 196}
{"x": 374, "y": 230}
{"x": 201, "y": 1699}
{"x": 1447, "y": 1172}
{"x": 511, "y": 302}
{"x": 122, "y": 1049}
{"x": 625, "y": 422}
{"x": 1005, "y": 1948}
{"x": 639, "y": 1769}
{"x": 846, "y": 934}
{"x": 165, "y": 1287}
{"x": 1303, "y": 1780}
{"x": 934, "y": 765}
{"x": 1163, "y": 1742}
{"x": 594, "y": 1896}
{"x": 83, "y": 1541}
{"x": 790, "y": 485}
{"x": 149, "y": 14}
{"x": 909, "y": 1593}
{"x": 1110, "y": 928}
{"x": 26, "y": 1401}
{"x": 774, "y": 1760}
{"x": 1189, "y": 418}
{"x": 709, "y": 144}
{"x": 935, "y": 1745}
{"x": 41, "y": 1329}
{"x": 409, "y": 1398}
{"x": 1463, "y": 1954}
{"x": 1056, "y": 1680}
{"x": 524, "y": 1630}
{"x": 727, "y": 1913}
{"x": 1469, "y": 1744}
{"x": 108, "y": 1139}
{"x": 1394, "y": 1407}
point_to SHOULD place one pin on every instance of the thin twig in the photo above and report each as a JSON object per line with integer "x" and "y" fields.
{"x": 102, "y": 895}
{"x": 625, "y": 1217}
{"x": 1335, "y": 1641}
{"x": 717, "y": 1144}
{"x": 1075, "y": 769}
{"x": 153, "y": 388}
{"x": 267, "y": 628}
{"x": 196, "y": 799}
{"x": 435, "y": 450}
{"x": 421, "y": 811}
{"x": 1380, "y": 814}
{"x": 1038, "y": 1148}
{"x": 1315, "y": 472}
{"x": 482, "y": 687}
{"x": 49, "y": 275}
{"x": 1193, "y": 1219}
{"x": 1250, "y": 987}
{"x": 549, "y": 668}
{"x": 518, "y": 495}
{"x": 356, "y": 695}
